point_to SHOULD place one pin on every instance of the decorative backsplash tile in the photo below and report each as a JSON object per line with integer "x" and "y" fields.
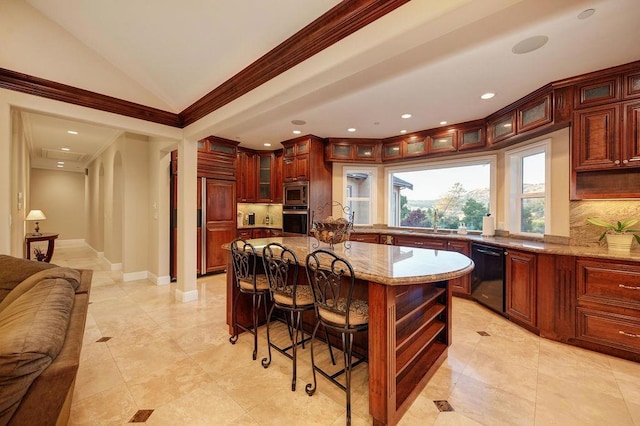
{"x": 586, "y": 234}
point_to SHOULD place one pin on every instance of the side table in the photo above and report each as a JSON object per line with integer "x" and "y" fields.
{"x": 44, "y": 236}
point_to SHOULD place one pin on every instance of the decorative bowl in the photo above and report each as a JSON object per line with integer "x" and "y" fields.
{"x": 332, "y": 231}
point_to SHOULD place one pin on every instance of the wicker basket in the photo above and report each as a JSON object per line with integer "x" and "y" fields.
{"x": 332, "y": 231}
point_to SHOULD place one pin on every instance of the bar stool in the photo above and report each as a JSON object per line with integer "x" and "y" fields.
{"x": 248, "y": 282}
{"x": 332, "y": 282}
{"x": 281, "y": 267}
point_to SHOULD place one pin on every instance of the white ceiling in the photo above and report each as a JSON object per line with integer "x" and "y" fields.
{"x": 430, "y": 58}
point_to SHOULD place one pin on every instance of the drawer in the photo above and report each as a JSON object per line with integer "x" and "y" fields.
{"x": 606, "y": 328}
{"x": 365, "y": 238}
{"x": 611, "y": 283}
{"x": 428, "y": 243}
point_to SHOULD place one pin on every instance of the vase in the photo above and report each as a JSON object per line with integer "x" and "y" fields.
{"x": 619, "y": 243}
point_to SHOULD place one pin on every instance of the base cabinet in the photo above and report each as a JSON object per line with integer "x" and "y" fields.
{"x": 521, "y": 286}
{"x": 608, "y": 312}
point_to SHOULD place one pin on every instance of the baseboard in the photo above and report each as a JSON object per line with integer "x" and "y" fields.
{"x": 133, "y": 276}
{"x": 188, "y": 296}
{"x": 164, "y": 280}
{"x": 80, "y": 242}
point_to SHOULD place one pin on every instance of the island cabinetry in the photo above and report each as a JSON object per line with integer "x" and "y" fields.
{"x": 608, "y": 312}
{"x": 412, "y": 325}
{"x": 521, "y": 288}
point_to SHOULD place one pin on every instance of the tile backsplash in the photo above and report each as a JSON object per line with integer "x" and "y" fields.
{"x": 585, "y": 234}
{"x": 261, "y": 210}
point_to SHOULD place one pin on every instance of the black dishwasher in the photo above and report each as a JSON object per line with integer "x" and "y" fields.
{"x": 487, "y": 278}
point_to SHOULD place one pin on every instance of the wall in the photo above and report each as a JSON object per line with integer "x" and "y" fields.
{"x": 60, "y": 195}
{"x": 585, "y": 234}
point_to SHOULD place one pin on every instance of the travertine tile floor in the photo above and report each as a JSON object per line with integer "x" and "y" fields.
{"x": 175, "y": 359}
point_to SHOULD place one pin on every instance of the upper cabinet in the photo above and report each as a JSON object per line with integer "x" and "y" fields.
{"x": 217, "y": 158}
{"x": 597, "y": 92}
{"x": 501, "y": 128}
{"x": 246, "y": 182}
{"x": 296, "y": 160}
{"x": 352, "y": 150}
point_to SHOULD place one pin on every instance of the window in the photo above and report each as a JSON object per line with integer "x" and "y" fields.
{"x": 529, "y": 199}
{"x": 453, "y": 192}
{"x": 359, "y": 194}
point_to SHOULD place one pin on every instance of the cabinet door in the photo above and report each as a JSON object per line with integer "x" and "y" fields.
{"x": 598, "y": 92}
{"x": 595, "y": 138}
{"x": 246, "y": 178}
{"x": 535, "y": 114}
{"x": 302, "y": 167}
{"x": 460, "y": 285}
{"x": 444, "y": 142}
{"x": 521, "y": 303}
{"x": 364, "y": 238}
{"x": 631, "y": 145}
{"x": 471, "y": 138}
{"x": 265, "y": 166}
{"x": 501, "y": 128}
{"x": 421, "y": 242}
{"x": 276, "y": 186}
{"x": 220, "y": 222}
{"x": 391, "y": 151}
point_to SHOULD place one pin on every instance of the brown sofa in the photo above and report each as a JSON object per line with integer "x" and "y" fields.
{"x": 43, "y": 310}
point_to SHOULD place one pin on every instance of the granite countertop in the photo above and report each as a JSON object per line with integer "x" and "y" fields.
{"x": 380, "y": 263}
{"x": 535, "y": 246}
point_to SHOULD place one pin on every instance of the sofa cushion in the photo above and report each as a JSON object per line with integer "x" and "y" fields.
{"x": 32, "y": 331}
{"x": 71, "y": 275}
{"x": 14, "y": 270}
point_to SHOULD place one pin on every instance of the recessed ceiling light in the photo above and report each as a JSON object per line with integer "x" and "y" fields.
{"x": 65, "y": 148}
{"x": 529, "y": 44}
{"x": 586, "y": 13}
{"x": 72, "y": 132}
{"x": 351, "y": 129}
{"x": 296, "y": 132}
{"x": 298, "y": 122}
{"x": 442, "y": 123}
{"x": 403, "y": 131}
{"x": 60, "y": 166}
{"x": 60, "y": 162}
{"x": 487, "y": 95}
{"x": 406, "y": 116}
{"x": 267, "y": 144}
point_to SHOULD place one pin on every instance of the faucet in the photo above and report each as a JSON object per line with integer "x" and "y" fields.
{"x": 435, "y": 220}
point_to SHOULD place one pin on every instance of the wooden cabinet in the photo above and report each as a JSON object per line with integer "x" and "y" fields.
{"x": 445, "y": 141}
{"x": 535, "y": 114}
{"x": 246, "y": 181}
{"x": 631, "y": 86}
{"x": 352, "y": 150}
{"x": 521, "y": 287}
{"x": 471, "y": 136}
{"x": 249, "y": 233}
{"x": 218, "y": 224}
{"x": 420, "y": 241}
{"x": 608, "y": 312}
{"x": 606, "y": 151}
{"x": 460, "y": 286}
{"x": 501, "y": 128}
{"x": 296, "y": 160}
{"x": 597, "y": 92}
{"x": 276, "y": 184}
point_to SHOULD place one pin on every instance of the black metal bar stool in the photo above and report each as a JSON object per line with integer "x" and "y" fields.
{"x": 281, "y": 267}
{"x": 332, "y": 281}
{"x": 248, "y": 282}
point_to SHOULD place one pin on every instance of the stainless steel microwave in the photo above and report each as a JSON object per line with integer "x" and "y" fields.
{"x": 296, "y": 194}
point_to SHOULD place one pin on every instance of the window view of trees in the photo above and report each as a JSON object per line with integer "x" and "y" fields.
{"x": 464, "y": 201}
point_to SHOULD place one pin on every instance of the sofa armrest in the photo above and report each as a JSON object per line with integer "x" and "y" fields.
{"x": 44, "y": 401}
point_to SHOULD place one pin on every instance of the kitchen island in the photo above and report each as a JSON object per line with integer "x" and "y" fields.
{"x": 409, "y": 300}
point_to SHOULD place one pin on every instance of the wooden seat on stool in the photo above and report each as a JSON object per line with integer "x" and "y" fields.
{"x": 248, "y": 282}
{"x": 282, "y": 267}
{"x": 332, "y": 281}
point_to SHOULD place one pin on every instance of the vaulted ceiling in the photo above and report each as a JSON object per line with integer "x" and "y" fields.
{"x": 430, "y": 58}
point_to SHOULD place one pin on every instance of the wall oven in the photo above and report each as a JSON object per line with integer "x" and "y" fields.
{"x": 487, "y": 278}
{"x": 296, "y": 194}
{"x": 295, "y": 220}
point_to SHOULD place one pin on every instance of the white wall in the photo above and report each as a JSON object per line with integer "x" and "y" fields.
{"x": 60, "y": 195}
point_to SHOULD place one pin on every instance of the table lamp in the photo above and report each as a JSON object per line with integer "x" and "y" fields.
{"x": 36, "y": 215}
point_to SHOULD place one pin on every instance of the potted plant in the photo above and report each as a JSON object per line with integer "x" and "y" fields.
{"x": 39, "y": 254}
{"x": 619, "y": 235}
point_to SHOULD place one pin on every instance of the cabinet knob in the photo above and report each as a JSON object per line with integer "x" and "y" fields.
{"x": 625, "y": 161}
{"x": 616, "y": 162}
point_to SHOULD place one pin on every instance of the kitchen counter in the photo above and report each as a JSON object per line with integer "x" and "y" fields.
{"x": 535, "y": 246}
{"x": 409, "y": 296}
{"x": 258, "y": 226}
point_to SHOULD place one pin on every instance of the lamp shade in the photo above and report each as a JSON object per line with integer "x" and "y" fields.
{"x": 36, "y": 215}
